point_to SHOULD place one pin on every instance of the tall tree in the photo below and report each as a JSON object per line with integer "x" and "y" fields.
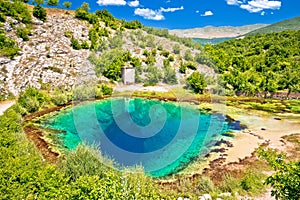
{"x": 67, "y": 4}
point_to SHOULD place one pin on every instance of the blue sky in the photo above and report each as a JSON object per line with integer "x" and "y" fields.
{"x": 181, "y": 14}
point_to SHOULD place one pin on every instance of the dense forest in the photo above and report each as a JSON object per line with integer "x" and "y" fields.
{"x": 264, "y": 63}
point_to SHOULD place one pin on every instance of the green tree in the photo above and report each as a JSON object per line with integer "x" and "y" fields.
{"x": 75, "y": 44}
{"x": 188, "y": 55}
{"x": 85, "y": 6}
{"x": 67, "y": 4}
{"x": 52, "y": 2}
{"x": 38, "y": 2}
{"x": 169, "y": 76}
{"x": 285, "y": 181}
{"x": 153, "y": 75}
{"x": 176, "y": 49}
{"x": 197, "y": 82}
{"x": 40, "y": 13}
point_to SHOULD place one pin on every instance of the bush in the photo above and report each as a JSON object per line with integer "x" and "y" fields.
{"x": 153, "y": 76}
{"x": 230, "y": 184}
{"x": 252, "y": 182}
{"x": 188, "y": 55}
{"x": 75, "y": 44}
{"x": 197, "y": 82}
{"x": 67, "y": 4}
{"x": 85, "y": 45}
{"x": 40, "y": 13}
{"x": 182, "y": 68}
{"x": 169, "y": 76}
{"x": 8, "y": 47}
{"x": 52, "y": 2}
{"x": 165, "y": 53}
{"x": 94, "y": 163}
{"x": 2, "y": 17}
{"x": 82, "y": 14}
{"x": 285, "y": 181}
{"x": 205, "y": 185}
{"x": 176, "y": 49}
{"x": 171, "y": 58}
{"x": 106, "y": 90}
{"x": 191, "y": 65}
{"x": 59, "y": 99}
{"x": 32, "y": 99}
{"x": 68, "y": 34}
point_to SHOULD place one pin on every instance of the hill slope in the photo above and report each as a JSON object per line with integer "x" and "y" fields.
{"x": 67, "y": 48}
{"x": 216, "y": 32}
{"x": 290, "y": 24}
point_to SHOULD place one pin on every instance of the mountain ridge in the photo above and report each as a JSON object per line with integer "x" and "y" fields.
{"x": 210, "y": 32}
{"x": 285, "y": 25}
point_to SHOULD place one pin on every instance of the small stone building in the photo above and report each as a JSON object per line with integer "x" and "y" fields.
{"x": 128, "y": 75}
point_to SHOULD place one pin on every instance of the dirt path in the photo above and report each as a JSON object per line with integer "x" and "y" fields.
{"x": 4, "y": 105}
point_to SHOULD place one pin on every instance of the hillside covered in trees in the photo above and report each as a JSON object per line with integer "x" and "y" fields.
{"x": 263, "y": 63}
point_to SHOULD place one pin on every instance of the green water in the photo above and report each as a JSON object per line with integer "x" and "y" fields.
{"x": 163, "y": 137}
{"x": 213, "y": 41}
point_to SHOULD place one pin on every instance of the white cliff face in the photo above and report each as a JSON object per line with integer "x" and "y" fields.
{"x": 47, "y": 58}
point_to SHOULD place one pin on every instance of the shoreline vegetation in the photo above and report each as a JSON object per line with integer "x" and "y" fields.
{"x": 227, "y": 162}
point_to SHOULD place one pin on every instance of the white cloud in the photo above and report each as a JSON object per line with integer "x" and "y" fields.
{"x": 154, "y": 14}
{"x": 197, "y": 11}
{"x": 255, "y": 6}
{"x": 111, "y": 2}
{"x": 149, "y": 14}
{"x": 262, "y": 13}
{"x": 170, "y": 9}
{"x": 265, "y": 4}
{"x": 207, "y": 13}
{"x": 135, "y": 3}
{"x": 232, "y": 2}
{"x": 250, "y": 8}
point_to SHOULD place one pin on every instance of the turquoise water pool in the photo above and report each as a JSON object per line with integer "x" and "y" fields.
{"x": 161, "y": 136}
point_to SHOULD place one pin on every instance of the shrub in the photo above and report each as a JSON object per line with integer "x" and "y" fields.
{"x": 165, "y": 53}
{"x": 188, "y": 55}
{"x": 68, "y": 34}
{"x": 52, "y": 2}
{"x": 171, "y": 58}
{"x": 67, "y": 4}
{"x": 169, "y": 76}
{"x": 153, "y": 76}
{"x": 176, "y": 49}
{"x": 285, "y": 181}
{"x": 230, "y": 184}
{"x": 252, "y": 182}
{"x": 40, "y": 13}
{"x": 85, "y": 45}
{"x": 8, "y": 47}
{"x": 182, "y": 68}
{"x": 191, "y": 65}
{"x": 106, "y": 90}
{"x": 82, "y": 14}
{"x": 59, "y": 99}
{"x": 197, "y": 82}
{"x": 75, "y": 44}
{"x": 2, "y": 17}
{"x": 205, "y": 185}
{"x": 32, "y": 99}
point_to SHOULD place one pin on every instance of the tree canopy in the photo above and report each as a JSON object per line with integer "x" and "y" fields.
{"x": 261, "y": 63}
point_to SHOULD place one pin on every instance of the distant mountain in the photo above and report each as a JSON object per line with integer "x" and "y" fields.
{"x": 216, "y": 32}
{"x": 290, "y": 24}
